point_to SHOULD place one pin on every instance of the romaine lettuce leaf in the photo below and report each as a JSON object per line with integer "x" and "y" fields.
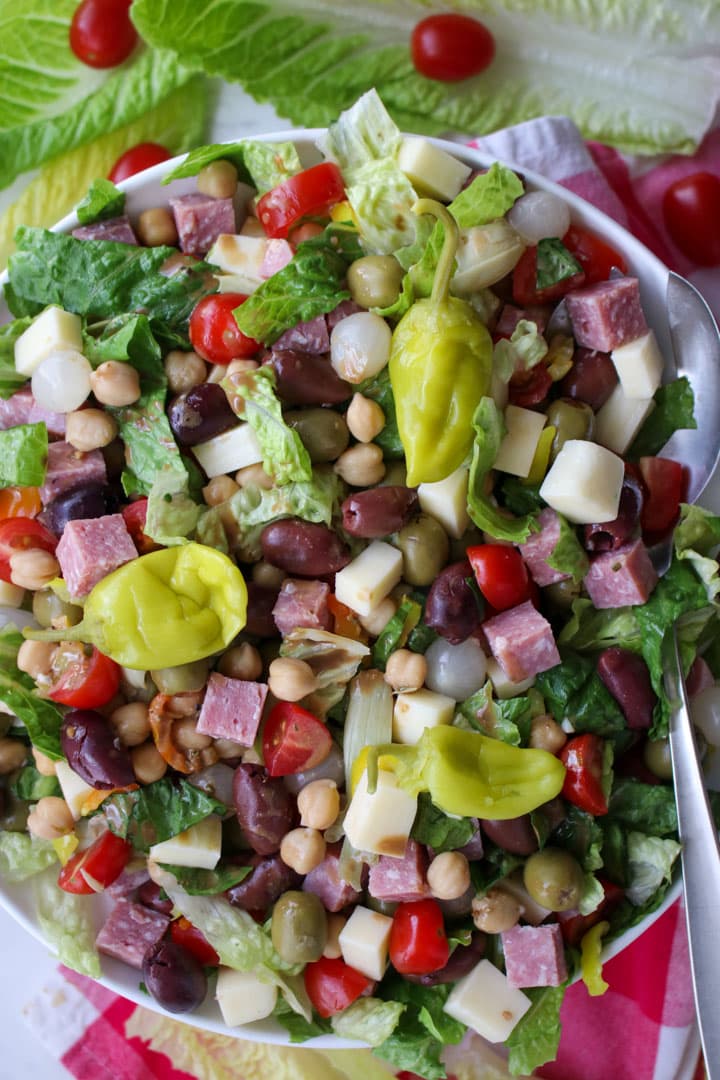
{"x": 298, "y": 1028}
{"x": 197, "y": 881}
{"x": 41, "y": 717}
{"x": 423, "y": 1029}
{"x": 379, "y": 389}
{"x": 22, "y": 856}
{"x": 396, "y": 631}
{"x": 264, "y": 165}
{"x": 158, "y": 811}
{"x": 369, "y": 1019}
{"x": 437, "y": 829}
{"x": 334, "y": 661}
{"x": 285, "y": 458}
{"x": 535, "y": 1038}
{"x": 489, "y": 196}
{"x": 573, "y": 690}
{"x": 172, "y": 516}
{"x": 554, "y": 263}
{"x": 525, "y": 348}
{"x": 696, "y": 535}
{"x": 23, "y": 455}
{"x": 674, "y": 405}
{"x": 569, "y": 556}
{"x": 11, "y": 379}
{"x": 67, "y": 926}
{"x": 103, "y": 200}
{"x": 507, "y": 720}
{"x": 30, "y": 785}
{"x": 489, "y": 426}
{"x": 650, "y": 863}
{"x": 648, "y": 808}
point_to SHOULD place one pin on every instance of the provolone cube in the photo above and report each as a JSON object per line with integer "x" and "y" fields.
{"x": 619, "y": 420}
{"x": 486, "y": 253}
{"x": 75, "y": 791}
{"x": 243, "y": 998}
{"x": 413, "y": 712}
{"x": 639, "y": 365}
{"x": 236, "y": 283}
{"x": 485, "y": 1001}
{"x": 518, "y": 447}
{"x": 53, "y": 330}
{"x": 380, "y": 823}
{"x": 367, "y": 580}
{"x": 431, "y": 170}
{"x": 503, "y": 687}
{"x": 238, "y": 254}
{"x": 446, "y": 501}
{"x": 229, "y": 451}
{"x": 363, "y": 941}
{"x": 584, "y": 482}
{"x": 197, "y": 846}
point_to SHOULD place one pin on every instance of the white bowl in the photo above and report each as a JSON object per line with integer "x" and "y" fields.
{"x": 144, "y": 191}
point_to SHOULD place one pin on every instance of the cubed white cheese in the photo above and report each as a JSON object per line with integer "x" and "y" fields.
{"x": 486, "y": 253}
{"x": 619, "y": 420}
{"x": 584, "y": 482}
{"x": 380, "y": 823}
{"x": 413, "y": 712}
{"x": 639, "y": 365}
{"x": 229, "y": 451}
{"x": 53, "y": 330}
{"x": 367, "y": 580}
{"x": 243, "y": 998}
{"x": 197, "y": 846}
{"x": 518, "y": 447}
{"x": 75, "y": 791}
{"x": 430, "y": 170}
{"x": 238, "y": 254}
{"x": 236, "y": 283}
{"x": 503, "y": 687}
{"x": 446, "y": 501}
{"x": 11, "y": 595}
{"x": 485, "y": 1001}
{"x": 363, "y": 941}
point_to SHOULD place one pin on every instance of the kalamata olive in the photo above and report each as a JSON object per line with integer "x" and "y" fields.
{"x": 264, "y": 807}
{"x": 324, "y": 432}
{"x": 200, "y": 414}
{"x": 626, "y": 676}
{"x": 474, "y": 849}
{"x": 378, "y": 511}
{"x": 452, "y": 607}
{"x": 174, "y": 977}
{"x": 424, "y": 545}
{"x": 554, "y": 879}
{"x": 656, "y": 755}
{"x": 591, "y": 379}
{"x": 150, "y": 895}
{"x": 307, "y": 379}
{"x": 85, "y": 501}
{"x": 48, "y": 606}
{"x": 303, "y": 548}
{"x": 374, "y": 280}
{"x": 260, "y": 603}
{"x": 462, "y": 960}
{"x": 571, "y": 420}
{"x": 609, "y": 535}
{"x": 93, "y": 751}
{"x": 269, "y": 879}
{"x": 299, "y": 927}
{"x": 515, "y": 835}
{"x": 330, "y": 768}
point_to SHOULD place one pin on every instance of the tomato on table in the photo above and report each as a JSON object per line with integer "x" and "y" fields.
{"x": 418, "y": 942}
{"x": 691, "y": 212}
{"x": 101, "y": 33}
{"x": 293, "y": 740}
{"x": 664, "y": 481}
{"x": 189, "y": 937}
{"x": 312, "y": 191}
{"x": 524, "y": 283}
{"x": 596, "y": 257}
{"x": 451, "y": 47}
{"x": 20, "y": 502}
{"x": 214, "y": 332}
{"x": 137, "y": 158}
{"x": 332, "y": 985}
{"x": 135, "y": 516}
{"x": 92, "y": 870}
{"x": 82, "y": 681}
{"x": 582, "y": 757}
{"x": 22, "y": 534}
{"x": 501, "y": 575}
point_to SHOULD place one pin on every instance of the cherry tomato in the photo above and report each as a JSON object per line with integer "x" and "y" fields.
{"x": 189, "y": 937}
{"x": 418, "y": 943}
{"x": 101, "y": 34}
{"x": 451, "y": 47}
{"x": 84, "y": 682}
{"x": 582, "y": 757}
{"x": 137, "y": 158}
{"x": 501, "y": 575}
{"x": 134, "y": 516}
{"x": 524, "y": 284}
{"x": 293, "y": 740}
{"x": 574, "y": 926}
{"x": 311, "y": 191}
{"x": 97, "y": 867}
{"x": 595, "y": 256}
{"x": 665, "y": 483}
{"x": 214, "y": 332}
{"x": 20, "y": 502}
{"x": 332, "y": 985}
{"x": 528, "y": 388}
{"x": 691, "y": 212}
{"x": 22, "y": 534}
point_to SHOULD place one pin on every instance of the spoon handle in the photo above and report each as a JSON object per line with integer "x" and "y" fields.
{"x": 700, "y": 859}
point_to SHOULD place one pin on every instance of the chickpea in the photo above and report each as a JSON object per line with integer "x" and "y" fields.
{"x": 32, "y": 569}
{"x": 302, "y": 850}
{"x": 291, "y": 680}
{"x": 115, "y": 383}
{"x": 219, "y": 179}
{"x": 184, "y": 371}
{"x": 131, "y": 723}
{"x": 364, "y": 418}
{"x": 405, "y": 670}
{"x": 546, "y": 734}
{"x": 449, "y": 875}
{"x": 254, "y": 476}
{"x": 319, "y": 804}
{"x": 241, "y": 662}
{"x": 219, "y": 490}
{"x": 264, "y": 573}
{"x": 12, "y": 755}
{"x": 44, "y": 765}
{"x": 335, "y": 924}
{"x": 50, "y": 818}
{"x": 496, "y": 911}
{"x": 241, "y": 364}
{"x": 379, "y": 617}
{"x": 90, "y": 429}
{"x": 156, "y": 228}
{"x": 187, "y": 737}
{"x": 35, "y": 658}
{"x": 362, "y": 465}
{"x": 251, "y": 757}
{"x": 147, "y": 762}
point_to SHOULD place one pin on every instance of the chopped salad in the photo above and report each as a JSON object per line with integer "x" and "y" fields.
{"x": 331, "y": 644}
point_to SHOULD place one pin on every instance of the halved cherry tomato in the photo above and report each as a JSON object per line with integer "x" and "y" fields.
{"x": 418, "y": 942}
{"x": 665, "y": 483}
{"x": 691, "y": 212}
{"x": 573, "y": 926}
{"x": 136, "y": 159}
{"x": 83, "y": 682}
{"x": 20, "y": 502}
{"x": 332, "y": 985}
{"x": 101, "y": 34}
{"x": 184, "y": 933}
{"x": 135, "y": 516}
{"x": 22, "y": 534}
{"x": 97, "y": 867}
{"x": 595, "y": 256}
{"x": 582, "y": 757}
{"x": 214, "y": 332}
{"x": 501, "y": 575}
{"x": 312, "y": 191}
{"x": 293, "y": 740}
{"x": 524, "y": 284}
{"x": 451, "y": 47}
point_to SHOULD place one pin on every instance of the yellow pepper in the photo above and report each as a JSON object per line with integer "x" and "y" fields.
{"x": 590, "y": 963}
{"x": 65, "y": 847}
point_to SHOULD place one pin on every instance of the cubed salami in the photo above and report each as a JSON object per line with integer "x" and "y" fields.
{"x": 232, "y": 709}
{"x": 130, "y": 930}
{"x": 22, "y": 408}
{"x": 91, "y": 548}
{"x": 326, "y": 883}
{"x": 522, "y": 642}
{"x": 539, "y": 546}
{"x": 607, "y": 314}
{"x": 622, "y": 577}
{"x": 402, "y": 879}
{"x": 278, "y": 254}
{"x": 132, "y": 877}
{"x": 118, "y": 229}
{"x": 534, "y": 956}
{"x": 302, "y": 603}
{"x": 69, "y": 468}
{"x": 200, "y": 219}
{"x": 510, "y": 316}
{"x": 310, "y": 337}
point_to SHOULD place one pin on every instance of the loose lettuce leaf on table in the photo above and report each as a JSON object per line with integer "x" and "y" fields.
{"x": 23, "y": 455}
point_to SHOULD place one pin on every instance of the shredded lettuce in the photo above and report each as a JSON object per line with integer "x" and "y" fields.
{"x": 197, "y": 881}
{"x": 650, "y": 863}
{"x": 11, "y": 379}
{"x": 23, "y": 455}
{"x": 525, "y": 348}
{"x": 437, "y": 829}
{"x": 334, "y": 661}
{"x": 674, "y": 405}
{"x": 67, "y": 926}
{"x": 158, "y": 811}
{"x": 489, "y": 426}
{"x": 264, "y": 165}
{"x": 285, "y": 458}
{"x": 554, "y": 263}
{"x": 42, "y": 718}
{"x": 535, "y": 1038}
{"x": 423, "y": 1029}
{"x": 569, "y": 556}
{"x": 369, "y": 1019}
{"x": 22, "y": 856}
{"x": 172, "y": 516}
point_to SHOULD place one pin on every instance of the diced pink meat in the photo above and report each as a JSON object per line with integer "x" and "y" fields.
{"x": 22, "y": 408}
{"x": 128, "y": 883}
{"x": 232, "y": 709}
{"x": 622, "y": 577}
{"x": 302, "y": 603}
{"x": 278, "y": 254}
{"x": 310, "y": 337}
{"x": 91, "y": 548}
{"x": 200, "y": 219}
{"x": 118, "y": 229}
{"x": 534, "y": 956}
{"x": 607, "y": 314}
{"x": 326, "y": 883}
{"x": 510, "y": 316}
{"x": 69, "y": 468}
{"x": 130, "y": 930}
{"x": 402, "y": 879}
{"x": 344, "y": 308}
{"x": 699, "y": 677}
{"x": 539, "y": 546}
{"x": 522, "y": 642}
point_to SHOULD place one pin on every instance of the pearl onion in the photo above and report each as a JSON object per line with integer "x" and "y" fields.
{"x": 360, "y": 346}
{"x": 62, "y": 381}
{"x": 539, "y": 214}
{"x": 455, "y": 670}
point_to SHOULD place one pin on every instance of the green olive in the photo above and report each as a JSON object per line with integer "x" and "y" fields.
{"x": 572, "y": 420}
{"x": 554, "y": 879}
{"x": 181, "y": 679}
{"x": 47, "y": 606}
{"x": 425, "y": 546}
{"x": 324, "y": 432}
{"x": 561, "y": 594}
{"x": 656, "y": 755}
{"x": 299, "y": 927}
{"x": 374, "y": 280}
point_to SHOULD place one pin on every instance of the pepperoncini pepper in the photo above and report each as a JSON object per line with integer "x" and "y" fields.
{"x": 440, "y": 364}
{"x": 166, "y": 608}
{"x": 591, "y": 959}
